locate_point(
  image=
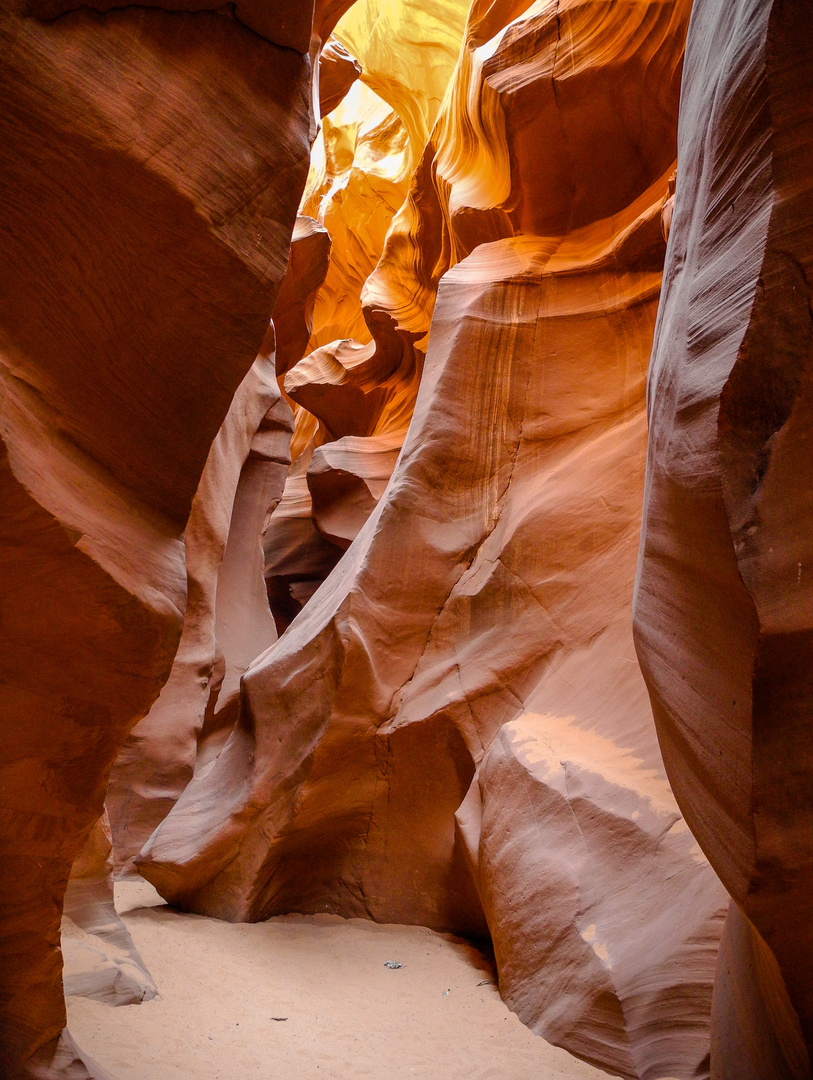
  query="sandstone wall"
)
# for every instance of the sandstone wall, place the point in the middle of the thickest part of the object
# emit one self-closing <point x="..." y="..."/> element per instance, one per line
<point x="146" y="221"/>
<point x="227" y="619"/>
<point x="724" y="602"/>
<point x="348" y="390"/>
<point x="454" y="731"/>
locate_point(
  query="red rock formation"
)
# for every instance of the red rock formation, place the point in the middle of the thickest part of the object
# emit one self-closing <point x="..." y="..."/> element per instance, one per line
<point x="407" y="52"/>
<point x="346" y="479"/>
<point x="296" y="558"/>
<point x="227" y="621"/>
<point x="455" y="730"/>
<point x="724" y="607"/>
<point x="338" y="70"/>
<point x="101" y="961"/>
<point x="472" y="651"/>
<point x="358" y="179"/>
<point x="293" y="312"/>
<point x="151" y="164"/>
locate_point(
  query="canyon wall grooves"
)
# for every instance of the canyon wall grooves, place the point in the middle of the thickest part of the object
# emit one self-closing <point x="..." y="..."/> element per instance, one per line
<point x="471" y="654"/>
<point x="724" y="609"/>
<point x="142" y="250"/>
<point x="322" y="496"/>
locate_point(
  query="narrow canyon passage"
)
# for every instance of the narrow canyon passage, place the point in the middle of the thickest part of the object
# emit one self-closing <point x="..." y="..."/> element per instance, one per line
<point x="406" y="493"/>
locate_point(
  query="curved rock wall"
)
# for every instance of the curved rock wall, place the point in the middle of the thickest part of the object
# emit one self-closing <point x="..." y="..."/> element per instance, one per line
<point x="724" y="603"/>
<point x="100" y="959"/>
<point x="346" y="391"/>
<point x="145" y="234"/>
<point x="455" y="731"/>
<point x="227" y="620"/>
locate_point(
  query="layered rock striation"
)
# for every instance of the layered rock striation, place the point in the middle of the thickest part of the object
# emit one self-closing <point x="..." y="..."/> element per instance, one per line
<point x="455" y="731"/>
<point x="724" y="601"/>
<point x="147" y="215"/>
<point x="428" y="470"/>
<point x="347" y="389"/>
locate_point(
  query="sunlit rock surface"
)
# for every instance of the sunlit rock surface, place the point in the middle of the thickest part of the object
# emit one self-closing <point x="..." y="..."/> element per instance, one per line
<point x="338" y="70"/>
<point x="358" y="180"/>
<point x="152" y="163"/>
<point x="360" y="170"/>
<point x="724" y="605"/>
<point x="455" y="730"/>
<point x="408" y="50"/>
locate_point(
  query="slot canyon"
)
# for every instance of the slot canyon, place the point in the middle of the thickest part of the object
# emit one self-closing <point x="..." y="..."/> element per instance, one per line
<point x="406" y="539"/>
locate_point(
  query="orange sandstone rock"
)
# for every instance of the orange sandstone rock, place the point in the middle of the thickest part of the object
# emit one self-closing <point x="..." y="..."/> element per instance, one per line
<point x="502" y="643"/>
<point x="298" y="557"/>
<point x="293" y="311"/>
<point x="145" y="235"/>
<point x="724" y="600"/>
<point x="454" y="731"/>
<point x="464" y="193"/>
<point x="227" y="620"/>
<point x="346" y="479"/>
<point x="408" y="50"/>
<point x="357" y="180"/>
<point x="346" y="386"/>
<point x="338" y="70"/>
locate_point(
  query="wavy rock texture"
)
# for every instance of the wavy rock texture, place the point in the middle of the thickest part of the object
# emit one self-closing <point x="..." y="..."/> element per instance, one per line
<point x="360" y="167"/>
<point x="338" y="70"/>
<point x="408" y="50"/>
<point x="570" y="164"/>
<point x="296" y="557"/>
<point x="147" y="215"/>
<point x="101" y="961"/>
<point x="227" y="620"/>
<point x="308" y="265"/>
<point x="288" y="25"/>
<point x="357" y="181"/>
<point x="724" y="605"/>
<point x="463" y="192"/>
<point x="455" y="731"/>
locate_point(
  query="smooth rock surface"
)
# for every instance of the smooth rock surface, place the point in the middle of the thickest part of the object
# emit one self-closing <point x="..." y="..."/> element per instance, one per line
<point x="227" y="620"/>
<point x="101" y="961"/>
<point x="346" y="384"/>
<point x="338" y="70"/>
<point x="724" y="599"/>
<point x="454" y="731"/>
<point x="145" y="235"/>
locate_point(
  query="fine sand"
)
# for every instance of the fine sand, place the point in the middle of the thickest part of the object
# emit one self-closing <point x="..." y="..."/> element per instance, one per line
<point x="309" y="998"/>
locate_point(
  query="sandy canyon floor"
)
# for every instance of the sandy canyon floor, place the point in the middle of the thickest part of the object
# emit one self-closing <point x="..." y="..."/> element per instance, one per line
<point x="309" y="998"/>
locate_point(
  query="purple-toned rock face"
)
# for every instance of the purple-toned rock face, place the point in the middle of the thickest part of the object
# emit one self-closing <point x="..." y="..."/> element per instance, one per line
<point x="724" y="600"/>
